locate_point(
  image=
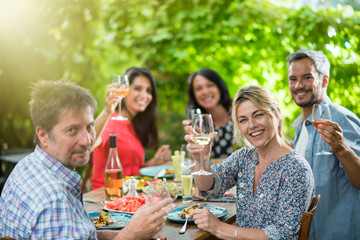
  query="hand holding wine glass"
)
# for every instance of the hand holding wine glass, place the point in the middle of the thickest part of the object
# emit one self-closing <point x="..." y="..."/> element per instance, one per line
<point x="319" y="113"/>
<point x="121" y="90"/>
<point x="202" y="128"/>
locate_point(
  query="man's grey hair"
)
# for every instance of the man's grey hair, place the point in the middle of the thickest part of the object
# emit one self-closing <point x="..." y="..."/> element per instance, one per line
<point x="321" y="62"/>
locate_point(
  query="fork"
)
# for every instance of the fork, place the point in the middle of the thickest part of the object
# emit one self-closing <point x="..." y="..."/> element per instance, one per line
<point x="183" y="229"/>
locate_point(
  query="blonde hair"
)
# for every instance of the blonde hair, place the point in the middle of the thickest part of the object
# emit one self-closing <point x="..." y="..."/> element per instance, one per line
<point x="264" y="100"/>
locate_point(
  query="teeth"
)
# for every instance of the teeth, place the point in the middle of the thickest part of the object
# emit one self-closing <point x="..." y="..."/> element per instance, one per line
<point x="256" y="133"/>
<point x="300" y="94"/>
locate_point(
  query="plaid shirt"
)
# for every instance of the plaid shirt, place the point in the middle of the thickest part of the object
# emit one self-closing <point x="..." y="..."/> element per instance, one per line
<point x="42" y="200"/>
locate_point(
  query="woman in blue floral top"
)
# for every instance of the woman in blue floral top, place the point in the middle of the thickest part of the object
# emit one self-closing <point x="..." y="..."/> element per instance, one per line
<point x="274" y="183"/>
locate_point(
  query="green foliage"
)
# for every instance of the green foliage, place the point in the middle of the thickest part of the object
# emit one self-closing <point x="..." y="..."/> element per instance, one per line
<point x="246" y="41"/>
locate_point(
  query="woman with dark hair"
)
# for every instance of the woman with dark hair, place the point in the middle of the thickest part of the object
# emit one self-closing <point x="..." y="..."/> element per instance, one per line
<point x="134" y="135"/>
<point x="208" y="91"/>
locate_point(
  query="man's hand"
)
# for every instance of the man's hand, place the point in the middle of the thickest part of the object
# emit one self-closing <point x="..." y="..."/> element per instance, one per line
<point x="332" y="134"/>
<point x="147" y="221"/>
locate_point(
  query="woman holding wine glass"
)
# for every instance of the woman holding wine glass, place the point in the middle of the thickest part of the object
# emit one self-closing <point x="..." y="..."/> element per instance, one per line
<point x="134" y="135"/>
<point x="208" y="93"/>
<point x="274" y="183"/>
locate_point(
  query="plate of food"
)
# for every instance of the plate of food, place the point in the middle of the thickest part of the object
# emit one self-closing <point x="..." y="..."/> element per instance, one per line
<point x="110" y="220"/>
<point x="143" y="182"/>
<point x="127" y="205"/>
<point x="155" y="170"/>
<point x="178" y="214"/>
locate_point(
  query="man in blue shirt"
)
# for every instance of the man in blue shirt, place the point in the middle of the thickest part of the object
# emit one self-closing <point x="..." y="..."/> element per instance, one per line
<point x="42" y="198"/>
<point x="337" y="176"/>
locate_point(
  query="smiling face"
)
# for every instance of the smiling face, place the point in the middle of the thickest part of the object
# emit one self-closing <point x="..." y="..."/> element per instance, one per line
<point x="305" y="83"/>
<point x="206" y="92"/>
<point x="255" y="124"/>
<point x="139" y="96"/>
<point x="71" y="138"/>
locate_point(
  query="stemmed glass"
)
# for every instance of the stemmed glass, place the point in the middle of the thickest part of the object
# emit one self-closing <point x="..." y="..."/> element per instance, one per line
<point x="122" y="90"/>
<point x="202" y="127"/>
<point x="323" y="111"/>
<point x="157" y="191"/>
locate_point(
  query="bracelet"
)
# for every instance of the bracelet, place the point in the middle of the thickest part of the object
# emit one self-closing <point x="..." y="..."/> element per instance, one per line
<point x="235" y="232"/>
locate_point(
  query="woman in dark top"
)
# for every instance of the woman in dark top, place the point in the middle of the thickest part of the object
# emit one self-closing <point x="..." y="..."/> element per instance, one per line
<point x="208" y="92"/>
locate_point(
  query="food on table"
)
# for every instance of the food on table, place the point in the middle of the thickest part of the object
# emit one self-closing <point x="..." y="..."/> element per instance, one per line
<point x="143" y="181"/>
<point x="189" y="209"/>
<point x="127" y="204"/>
<point x="169" y="171"/>
<point x="102" y="220"/>
<point x="174" y="190"/>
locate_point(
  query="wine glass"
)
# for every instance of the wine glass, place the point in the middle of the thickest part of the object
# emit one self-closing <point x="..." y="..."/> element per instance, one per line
<point x="319" y="113"/>
<point x="157" y="191"/>
<point x="122" y="90"/>
<point x="202" y="127"/>
<point x="187" y="162"/>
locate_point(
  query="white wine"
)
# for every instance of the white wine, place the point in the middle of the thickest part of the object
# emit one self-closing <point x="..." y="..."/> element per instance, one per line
<point x="202" y="140"/>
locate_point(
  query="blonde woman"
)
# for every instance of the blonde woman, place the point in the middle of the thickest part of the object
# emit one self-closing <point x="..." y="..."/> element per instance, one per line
<point x="274" y="183"/>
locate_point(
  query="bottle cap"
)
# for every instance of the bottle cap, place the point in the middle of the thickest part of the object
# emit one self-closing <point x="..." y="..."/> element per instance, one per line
<point x="113" y="140"/>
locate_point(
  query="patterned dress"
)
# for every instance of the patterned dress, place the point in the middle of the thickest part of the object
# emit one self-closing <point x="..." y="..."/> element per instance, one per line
<point x="283" y="193"/>
<point x="222" y="145"/>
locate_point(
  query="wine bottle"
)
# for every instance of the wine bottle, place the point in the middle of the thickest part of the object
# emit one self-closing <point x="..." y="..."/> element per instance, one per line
<point x="113" y="173"/>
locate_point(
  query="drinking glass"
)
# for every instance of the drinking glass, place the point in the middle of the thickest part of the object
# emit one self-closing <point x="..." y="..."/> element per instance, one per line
<point x="202" y="127"/>
<point x="157" y="191"/>
<point x="319" y="113"/>
<point x="122" y="90"/>
<point x="187" y="162"/>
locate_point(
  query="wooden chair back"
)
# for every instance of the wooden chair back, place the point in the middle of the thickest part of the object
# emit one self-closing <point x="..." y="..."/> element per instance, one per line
<point x="307" y="219"/>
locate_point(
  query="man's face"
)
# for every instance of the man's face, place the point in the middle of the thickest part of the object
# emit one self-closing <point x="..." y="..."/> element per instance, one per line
<point x="71" y="138"/>
<point x="304" y="83"/>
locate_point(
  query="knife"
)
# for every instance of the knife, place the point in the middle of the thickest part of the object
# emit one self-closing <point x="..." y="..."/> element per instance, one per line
<point x="93" y="201"/>
<point x="161" y="173"/>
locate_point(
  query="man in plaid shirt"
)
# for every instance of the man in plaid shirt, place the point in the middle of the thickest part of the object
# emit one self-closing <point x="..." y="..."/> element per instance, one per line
<point x="42" y="197"/>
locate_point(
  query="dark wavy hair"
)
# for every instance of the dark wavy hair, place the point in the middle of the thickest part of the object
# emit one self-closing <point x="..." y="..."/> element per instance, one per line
<point x="214" y="77"/>
<point x="145" y="123"/>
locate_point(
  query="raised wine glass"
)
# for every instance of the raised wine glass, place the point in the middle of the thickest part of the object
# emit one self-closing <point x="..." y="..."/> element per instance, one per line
<point x="157" y="191"/>
<point x="121" y="89"/>
<point x="202" y="127"/>
<point x="320" y="112"/>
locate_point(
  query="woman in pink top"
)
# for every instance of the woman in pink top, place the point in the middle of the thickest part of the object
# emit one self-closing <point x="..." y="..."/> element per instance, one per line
<point x="134" y="135"/>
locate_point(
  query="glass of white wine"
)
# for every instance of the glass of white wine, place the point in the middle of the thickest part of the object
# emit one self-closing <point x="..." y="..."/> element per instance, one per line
<point x="202" y="127"/>
<point x="122" y="90"/>
<point x="319" y="113"/>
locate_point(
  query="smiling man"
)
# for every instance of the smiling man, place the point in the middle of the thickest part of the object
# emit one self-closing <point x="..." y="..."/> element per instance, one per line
<point x="337" y="176"/>
<point x="42" y="198"/>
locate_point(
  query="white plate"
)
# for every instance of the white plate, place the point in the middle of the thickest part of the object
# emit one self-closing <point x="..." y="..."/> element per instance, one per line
<point x="152" y="171"/>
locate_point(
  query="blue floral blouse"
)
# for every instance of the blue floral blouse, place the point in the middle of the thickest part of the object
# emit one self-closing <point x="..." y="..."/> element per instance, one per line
<point x="283" y="193"/>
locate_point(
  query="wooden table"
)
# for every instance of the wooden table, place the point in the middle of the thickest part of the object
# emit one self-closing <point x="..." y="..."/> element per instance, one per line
<point x="171" y="229"/>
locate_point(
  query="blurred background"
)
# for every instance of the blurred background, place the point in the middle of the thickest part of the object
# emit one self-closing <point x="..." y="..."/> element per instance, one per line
<point x="246" y="41"/>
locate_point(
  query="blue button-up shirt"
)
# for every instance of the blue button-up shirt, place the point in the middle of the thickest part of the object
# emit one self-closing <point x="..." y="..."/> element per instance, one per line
<point x="338" y="213"/>
<point x="42" y="200"/>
